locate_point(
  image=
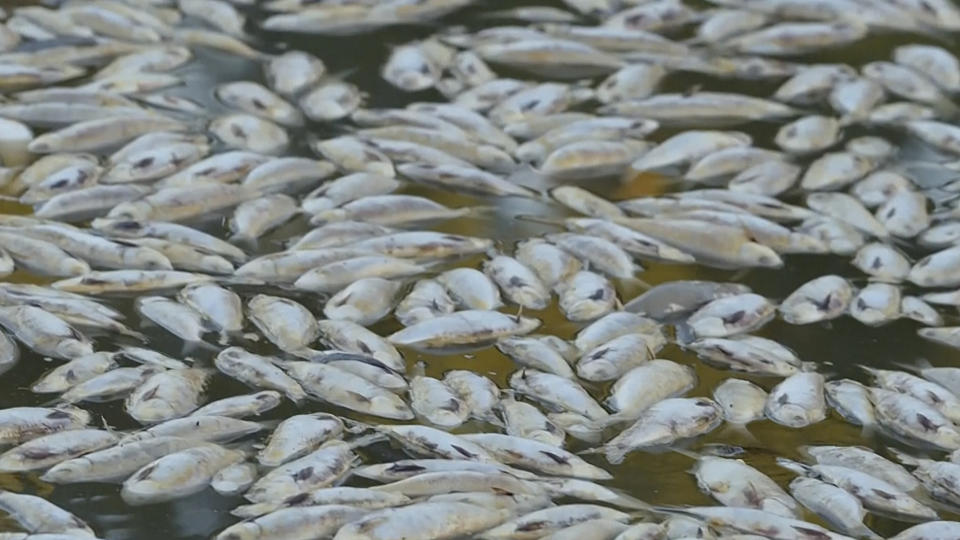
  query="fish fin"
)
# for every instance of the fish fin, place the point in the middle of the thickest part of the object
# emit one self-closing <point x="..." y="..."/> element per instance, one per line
<point x="903" y="457"/>
<point x="543" y="220"/>
<point x="419" y="369"/>
<point x="921" y="364"/>
<point x="743" y="432"/>
<point x="794" y="466"/>
<point x="367" y="440"/>
<point x="356" y="427"/>
<point x="590" y="451"/>
<point x="637" y="283"/>
<point x="684" y="452"/>
<point x="192" y="346"/>
<point x="684" y="334"/>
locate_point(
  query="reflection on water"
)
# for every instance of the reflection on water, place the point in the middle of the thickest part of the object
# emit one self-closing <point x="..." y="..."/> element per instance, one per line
<point x="662" y="478"/>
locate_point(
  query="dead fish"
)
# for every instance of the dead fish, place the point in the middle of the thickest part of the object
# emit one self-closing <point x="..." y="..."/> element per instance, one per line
<point x="586" y="296"/>
<point x="253" y="218"/>
<point x="559" y="392"/>
<point x="905" y="214"/>
<point x="688" y="146"/>
<point x="338" y="274"/>
<point x="882" y="262"/>
<point x="427" y="299"/>
<point x="917" y="309"/>
<point x="937" y="63"/>
<point x="525" y="420"/>
<point x="389" y="210"/>
<point x="258" y="371"/>
<point x="742" y="401"/>
<point x="676" y="298"/>
<point x="735" y="484"/>
<point x="635" y="81"/>
<point x="855" y="99"/>
<point x="251" y="133"/>
<point x="876" y="304"/>
<point x="436" y="402"/>
<point x="835" y="170"/>
<point x="729" y="161"/>
<point x="798" y="401"/>
<point x="874" y="493"/>
<point x="851" y="400"/>
<point x="220" y="306"/>
<point x="719" y="245"/>
<point x="911" y="418"/>
<point x="820" y="299"/>
<point x="331" y="100"/>
<point x="698" y="108"/>
<point x="344" y="389"/>
<point x="76" y="371"/>
<point x="731" y="315"/>
<point x="553" y="519"/>
<point x="551" y="264"/>
<point x="40" y="516"/>
<point x="177" y="475"/>
<point x="614" y="358"/>
<point x="351" y="337"/>
<point x="101" y="133"/>
<point x="293" y="71"/>
<point x="463" y="327"/>
<point x="240" y="406"/>
<point x="47" y="451"/>
<point x="529" y="351"/>
<point x="257" y="100"/>
<point x="167" y="395"/>
<point x="519" y="283"/>
<point x="287" y="522"/>
<point x="535" y="455"/>
<point x="663" y="424"/>
<point x="471" y="289"/>
<point x="468" y="179"/>
<point x="21" y="424"/>
<point x="808" y="134"/>
<point x="364" y="301"/>
<point x="286" y="323"/>
<point x="424" y="519"/>
<point x="936" y="270"/>
<point x="44" y="332"/>
<point x="646" y="385"/>
<point x="194" y="427"/>
<point x="905" y="82"/>
<point x="178" y="319"/>
<point x="866" y="461"/>
<point x="410" y="68"/>
<point x="798" y="38"/>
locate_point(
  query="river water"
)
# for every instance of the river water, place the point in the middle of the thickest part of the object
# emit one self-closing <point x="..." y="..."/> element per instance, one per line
<point x="837" y="347"/>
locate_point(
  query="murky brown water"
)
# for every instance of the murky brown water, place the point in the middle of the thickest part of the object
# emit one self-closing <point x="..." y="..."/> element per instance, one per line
<point x="661" y="478"/>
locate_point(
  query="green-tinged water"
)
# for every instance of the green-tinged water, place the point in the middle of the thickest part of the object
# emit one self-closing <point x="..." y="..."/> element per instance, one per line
<point x="837" y="348"/>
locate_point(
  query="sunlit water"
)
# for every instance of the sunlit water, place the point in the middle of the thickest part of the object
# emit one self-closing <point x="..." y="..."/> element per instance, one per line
<point x="837" y="348"/>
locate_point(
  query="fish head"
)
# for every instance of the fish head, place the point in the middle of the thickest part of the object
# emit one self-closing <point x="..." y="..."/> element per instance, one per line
<point x="760" y="255"/>
<point x="327" y="216"/>
<point x="495" y="158"/>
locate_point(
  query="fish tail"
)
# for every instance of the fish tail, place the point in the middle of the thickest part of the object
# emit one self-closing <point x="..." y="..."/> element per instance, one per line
<point x="743" y="432"/>
<point x="794" y="466"/>
<point x="367" y="440"/>
<point x="543" y="220"/>
<point x="356" y="427"/>
<point x="637" y="283"/>
<point x="920" y="365"/>
<point x="684" y="452"/>
<point x="903" y="457"/>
